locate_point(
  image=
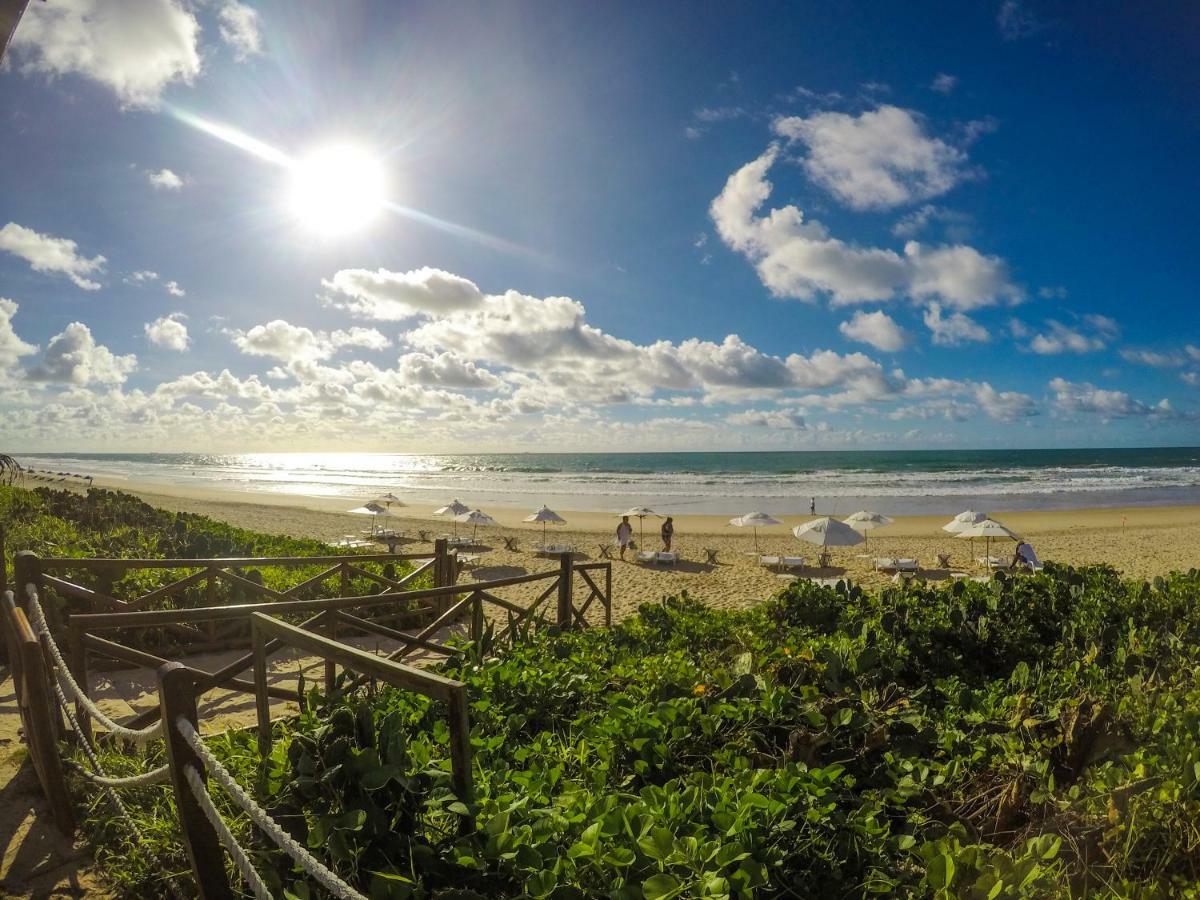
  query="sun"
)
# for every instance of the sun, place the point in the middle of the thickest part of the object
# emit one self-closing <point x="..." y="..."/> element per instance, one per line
<point x="337" y="189"/>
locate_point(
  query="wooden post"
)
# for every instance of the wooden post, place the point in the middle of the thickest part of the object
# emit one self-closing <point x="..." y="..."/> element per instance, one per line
<point x="177" y="697"/>
<point x="40" y="713"/>
<point x="331" y="631"/>
<point x="608" y="596"/>
<point x="77" y="659"/>
<point x="27" y="570"/>
<point x="566" y="570"/>
<point x="460" y="752"/>
<point x="441" y="577"/>
<point x="477" y="616"/>
<point x="262" y="703"/>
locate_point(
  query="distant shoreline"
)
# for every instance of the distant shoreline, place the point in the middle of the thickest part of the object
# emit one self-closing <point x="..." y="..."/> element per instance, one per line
<point x="935" y="483"/>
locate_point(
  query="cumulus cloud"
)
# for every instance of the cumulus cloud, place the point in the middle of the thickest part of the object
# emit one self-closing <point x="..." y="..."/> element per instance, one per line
<point x="239" y="28"/>
<point x="879" y="159"/>
<point x="174" y="289"/>
<point x="799" y="258"/>
<point x="1093" y="332"/>
<point x="956" y="225"/>
<point x="944" y="83"/>
<point x="877" y="329"/>
<point x="12" y="348"/>
<point x="290" y="343"/>
<point x="51" y="254"/>
<point x="391" y="296"/>
<point x="73" y="357"/>
<point x="168" y="332"/>
<point x="135" y="48"/>
<point x="1084" y="397"/>
<point x="769" y="418"/>
<point x="164" y="180"/>
<point x="954" y="329"/>
<point x="445" y="370"/>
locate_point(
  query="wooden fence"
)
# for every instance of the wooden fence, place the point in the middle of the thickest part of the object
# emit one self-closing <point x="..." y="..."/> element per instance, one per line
<point x="321" y="622"/>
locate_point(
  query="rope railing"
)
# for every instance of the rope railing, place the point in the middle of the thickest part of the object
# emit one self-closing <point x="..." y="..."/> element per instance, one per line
<point x="312" y="866"/>
<point x="225" y="836"/>
<point x="42" y="628"/>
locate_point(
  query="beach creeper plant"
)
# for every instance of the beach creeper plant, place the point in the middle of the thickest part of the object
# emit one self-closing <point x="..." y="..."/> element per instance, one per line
<point x="1029" y="737"/>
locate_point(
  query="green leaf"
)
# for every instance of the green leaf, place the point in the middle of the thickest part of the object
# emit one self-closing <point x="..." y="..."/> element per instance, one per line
<point x="940" y="873"/>
<point x="660" y="886"/>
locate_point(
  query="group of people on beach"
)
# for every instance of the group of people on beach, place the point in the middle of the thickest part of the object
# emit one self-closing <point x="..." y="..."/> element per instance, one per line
<point x="625" y="535"/>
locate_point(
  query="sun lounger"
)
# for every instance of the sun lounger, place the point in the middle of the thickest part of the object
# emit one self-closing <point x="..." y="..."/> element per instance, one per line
<point x="664" y="558"/>
<point x="646" y="556"/>
<point x="888" y="564"/>
<point x="553" y="549"/>
<point x="781" y="563"/>
<point x="994" y="562"/>
<point x="349" y="542"/>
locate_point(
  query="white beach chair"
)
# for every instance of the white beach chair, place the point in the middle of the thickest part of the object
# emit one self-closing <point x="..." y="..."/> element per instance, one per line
<point x="769" y="562"/>
<point x="884" y="564"/>
<point x="667" y="558"/>
<point x="646" y="556"/>
<point x="791" y="562"/>
<point x="907" y="565"/>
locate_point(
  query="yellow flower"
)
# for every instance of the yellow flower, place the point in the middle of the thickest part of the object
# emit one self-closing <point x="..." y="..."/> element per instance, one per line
<point x="699" y="690"/>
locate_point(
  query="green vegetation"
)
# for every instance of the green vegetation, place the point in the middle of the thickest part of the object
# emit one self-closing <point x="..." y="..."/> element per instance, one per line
<point x="115" y="525"/>
<point x="1030" y="737"/>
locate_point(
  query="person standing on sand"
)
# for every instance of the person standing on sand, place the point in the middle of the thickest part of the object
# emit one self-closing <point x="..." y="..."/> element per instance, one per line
<point x="624" y="534"/>
<point x="812" y="507"/>
<point x="668" y="532"/>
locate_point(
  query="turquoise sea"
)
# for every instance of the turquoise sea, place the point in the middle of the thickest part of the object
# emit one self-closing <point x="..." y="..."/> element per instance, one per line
<point x="900" y="482"/>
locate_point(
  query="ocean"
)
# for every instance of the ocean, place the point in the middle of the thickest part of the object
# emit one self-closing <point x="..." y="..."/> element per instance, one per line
<point x="782" y="483"/>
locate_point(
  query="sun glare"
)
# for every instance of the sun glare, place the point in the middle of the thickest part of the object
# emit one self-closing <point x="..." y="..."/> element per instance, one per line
<point x="337" y="189"/>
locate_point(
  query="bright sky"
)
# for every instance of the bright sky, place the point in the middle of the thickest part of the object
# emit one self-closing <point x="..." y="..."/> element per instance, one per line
<point x="446" y="226"/>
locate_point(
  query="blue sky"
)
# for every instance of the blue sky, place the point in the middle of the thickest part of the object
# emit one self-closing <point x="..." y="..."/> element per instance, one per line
<point x="687" y="226"/>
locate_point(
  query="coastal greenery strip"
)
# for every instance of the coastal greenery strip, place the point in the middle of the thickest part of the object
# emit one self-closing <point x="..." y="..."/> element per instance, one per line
<point x="1029" y="737"/>
<point x="116" y="525"/>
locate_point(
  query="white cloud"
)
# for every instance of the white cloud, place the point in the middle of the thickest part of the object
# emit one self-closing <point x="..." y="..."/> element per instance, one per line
<point x="12" y="348"/>
<point x="1155" y="359"/>
<point x="168" y="332"/>
<point x="1016" y="22"/>
<point x="880" y="159"/>
<point x="51" y="254"/>
<point x="877" y="329"/>
<point x="392" y="296"/>
<point x="136" y="48"/>
<point x="141" y="277"/>
<point x="1092" y="333"/>
<point x="290" y="343"/>
<point x="164" y="180"/>
<point x="240" y="29"/>
<point x="74" y="357"/>
<point x="957" y="225"/>
<point x="1083" y="397"/>
<point x="944" y="83"/>
<point x="769" y="418"/>
<point x="954" y="329"/>
<point x="800" y="259"/>
<point x="445" y="370"/>
<point x="174" y="289"/>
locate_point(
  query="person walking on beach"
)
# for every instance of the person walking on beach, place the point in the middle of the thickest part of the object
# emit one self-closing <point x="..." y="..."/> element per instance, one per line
<point x="624" y="534"/>
<point x="812" y="507"/>
<point x="668" y="532"/>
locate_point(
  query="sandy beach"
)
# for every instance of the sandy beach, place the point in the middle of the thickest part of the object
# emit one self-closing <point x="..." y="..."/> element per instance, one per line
<point x="1139" y="541"/>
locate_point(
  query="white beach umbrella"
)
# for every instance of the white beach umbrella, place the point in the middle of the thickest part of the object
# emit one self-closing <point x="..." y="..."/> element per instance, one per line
<point x="988" y="528"/>
<point x="755" y="520"/>
<point x="546" y="515"/>
<point x="372" y="509"/>
<point x="475" y="518"/>
<point x="641" y="512"/>
<point x="453" y="509"/>
<point x="389" y="499"/>
<point x="827" y="532"/>
<point x="864" y="521"/>
<point x="964" y="520"/>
